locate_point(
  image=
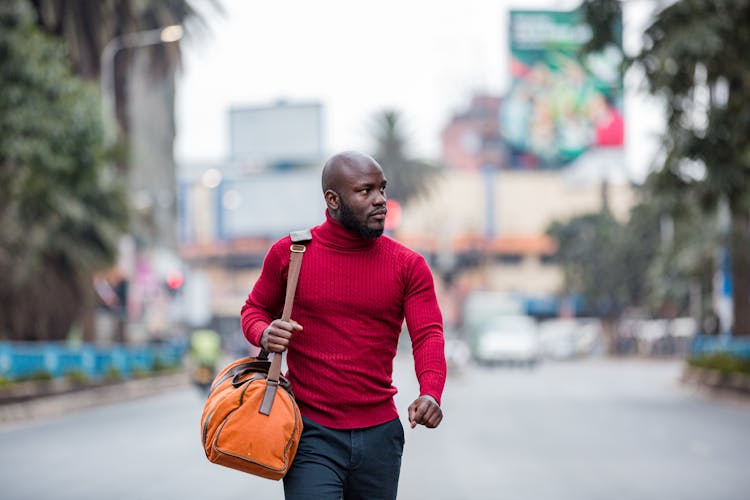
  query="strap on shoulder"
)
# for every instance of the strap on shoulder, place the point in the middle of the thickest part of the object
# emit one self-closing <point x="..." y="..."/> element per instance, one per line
<point x="297" y="250"/>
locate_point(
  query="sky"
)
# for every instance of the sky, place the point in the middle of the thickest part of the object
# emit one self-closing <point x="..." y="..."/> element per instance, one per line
<point x="424" y="58"/>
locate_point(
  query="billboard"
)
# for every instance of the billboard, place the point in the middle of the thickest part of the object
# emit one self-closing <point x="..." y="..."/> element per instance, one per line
<point x="279" y="134"/>
<point x="560" y="104"/>
<point x="252" y="207"/>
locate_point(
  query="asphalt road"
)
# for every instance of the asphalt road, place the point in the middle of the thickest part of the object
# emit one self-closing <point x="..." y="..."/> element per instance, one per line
<point x="594" y="430"/>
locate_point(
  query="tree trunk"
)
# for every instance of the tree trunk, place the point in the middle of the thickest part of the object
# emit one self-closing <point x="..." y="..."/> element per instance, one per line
<point x="740" y="264"/>
<point x="87" y="318"/>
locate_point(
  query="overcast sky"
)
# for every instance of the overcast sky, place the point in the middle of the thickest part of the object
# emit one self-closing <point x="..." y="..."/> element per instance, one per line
<point x="424" y="58"/>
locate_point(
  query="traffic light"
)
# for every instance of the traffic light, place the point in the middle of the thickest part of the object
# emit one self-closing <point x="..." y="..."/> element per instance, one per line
<point x="174" y="282"/>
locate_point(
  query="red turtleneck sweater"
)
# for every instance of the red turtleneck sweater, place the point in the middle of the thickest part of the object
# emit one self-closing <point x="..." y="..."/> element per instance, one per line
<point x="352" y="298"/>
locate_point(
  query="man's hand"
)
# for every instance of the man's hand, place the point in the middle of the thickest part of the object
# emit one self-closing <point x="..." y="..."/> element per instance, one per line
<point x="425" y="411"/>
<point x="276" y="336"/>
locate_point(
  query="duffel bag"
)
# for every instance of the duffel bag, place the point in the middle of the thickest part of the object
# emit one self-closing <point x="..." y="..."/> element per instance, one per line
<point x="250" y="421"/>
<point x="239" y="432"/>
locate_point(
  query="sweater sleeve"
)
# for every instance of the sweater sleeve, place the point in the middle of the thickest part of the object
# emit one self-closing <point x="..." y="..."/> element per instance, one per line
<point x="266" y="299"/>
<point x="425" y="324"/>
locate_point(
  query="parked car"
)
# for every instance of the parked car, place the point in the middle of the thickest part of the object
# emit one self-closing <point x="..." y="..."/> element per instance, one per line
<point x="566" y="338"/>
<point x="457" y="354"/>
<point x="481" y="305"/>
<point x="508" y="338"/>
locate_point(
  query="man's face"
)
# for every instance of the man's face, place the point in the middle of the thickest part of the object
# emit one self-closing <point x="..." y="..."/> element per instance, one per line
<point x="362" y="201"/>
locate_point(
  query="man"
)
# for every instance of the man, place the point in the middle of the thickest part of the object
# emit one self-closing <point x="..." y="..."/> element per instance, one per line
<point x="355" y="289"/>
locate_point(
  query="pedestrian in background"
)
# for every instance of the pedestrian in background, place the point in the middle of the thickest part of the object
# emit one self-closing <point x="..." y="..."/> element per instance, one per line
<point x="204" y="357"/>
<point x="355" y="289"/>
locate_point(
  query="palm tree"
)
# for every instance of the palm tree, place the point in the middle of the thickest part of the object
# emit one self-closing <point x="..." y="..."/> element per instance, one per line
<point x="695" y="57"/>
<point x="61" y="211"/>
<point x="143" y="158"/>
<point x="88" y="26"/>
<point x="408" y="177"/>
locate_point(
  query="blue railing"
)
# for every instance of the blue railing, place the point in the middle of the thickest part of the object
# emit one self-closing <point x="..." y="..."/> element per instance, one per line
<point x="711" y="344"/>
<point x="24" y="359"/>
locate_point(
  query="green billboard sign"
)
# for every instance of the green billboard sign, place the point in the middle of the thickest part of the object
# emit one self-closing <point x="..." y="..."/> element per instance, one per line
<point x="560" y="103"/>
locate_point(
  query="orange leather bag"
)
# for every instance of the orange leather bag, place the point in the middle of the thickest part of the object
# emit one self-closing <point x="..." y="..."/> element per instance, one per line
<point x="250" y="420"/>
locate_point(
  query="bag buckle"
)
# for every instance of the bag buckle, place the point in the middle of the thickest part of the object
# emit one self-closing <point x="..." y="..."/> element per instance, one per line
<point x="296" y="248"/>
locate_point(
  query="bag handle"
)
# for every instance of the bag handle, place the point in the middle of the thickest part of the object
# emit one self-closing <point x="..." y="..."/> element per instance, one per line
<point x="299" y="238"/>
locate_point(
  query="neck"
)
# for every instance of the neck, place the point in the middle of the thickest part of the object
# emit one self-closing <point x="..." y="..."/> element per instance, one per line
<point x="334" y="234"/>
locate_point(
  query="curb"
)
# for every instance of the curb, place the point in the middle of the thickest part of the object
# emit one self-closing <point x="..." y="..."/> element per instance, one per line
<point x="60" y="404"/>
<point x="715" y="380"/>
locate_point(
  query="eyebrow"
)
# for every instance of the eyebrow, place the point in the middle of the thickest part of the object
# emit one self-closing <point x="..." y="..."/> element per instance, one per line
<point x="362" y="185"/>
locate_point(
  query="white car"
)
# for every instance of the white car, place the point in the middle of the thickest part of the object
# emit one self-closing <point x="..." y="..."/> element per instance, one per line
<point x="508" y="339"/>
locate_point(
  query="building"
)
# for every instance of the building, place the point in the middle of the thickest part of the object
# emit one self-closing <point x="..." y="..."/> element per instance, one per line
<point x="231" y="211"/>
<point x="484" y="221"/>
<point x="280" y="135"/>
<point x="471" y="140"/>
<point x="491" y="229"/>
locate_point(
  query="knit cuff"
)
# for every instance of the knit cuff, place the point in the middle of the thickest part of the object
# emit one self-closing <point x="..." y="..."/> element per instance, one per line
<point x="254" y="333"/>
<point x="431" y="384"/>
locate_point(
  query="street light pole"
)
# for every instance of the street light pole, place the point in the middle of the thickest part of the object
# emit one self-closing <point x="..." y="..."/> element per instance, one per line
<point x="107" y="78"/>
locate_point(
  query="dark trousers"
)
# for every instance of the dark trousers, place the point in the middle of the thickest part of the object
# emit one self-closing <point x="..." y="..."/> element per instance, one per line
<point x="352" y="464"/>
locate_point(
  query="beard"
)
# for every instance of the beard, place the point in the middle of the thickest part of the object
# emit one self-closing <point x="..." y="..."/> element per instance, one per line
<point x="350" y="222"/>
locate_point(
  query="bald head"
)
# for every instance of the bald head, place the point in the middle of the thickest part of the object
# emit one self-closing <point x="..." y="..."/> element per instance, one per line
<point x="354" y="189"/>
<point x="339" y="165"/>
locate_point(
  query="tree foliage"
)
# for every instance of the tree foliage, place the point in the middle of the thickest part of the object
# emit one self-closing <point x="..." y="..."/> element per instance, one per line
<point x="88" y="26"/>
<point x="694" y="56"/>
<point x="61" y="212"/>
<point x="654" y="262"/>
<point x="606" y="262"/>
<point x="408" y="177"/>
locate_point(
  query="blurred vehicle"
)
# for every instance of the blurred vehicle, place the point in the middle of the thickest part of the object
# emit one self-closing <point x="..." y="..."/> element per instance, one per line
<point x="665" y="337"/>
<point x="557" y="338"/>
<point x="457" y="353"/>
<point x="507" y="338"/>
<point x="565" y="338"/>
<point x="482" y="305"/>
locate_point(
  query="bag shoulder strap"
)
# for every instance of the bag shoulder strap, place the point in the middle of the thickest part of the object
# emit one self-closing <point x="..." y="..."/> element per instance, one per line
<point x="297" y="249"/>
<point x="299" y="240"/>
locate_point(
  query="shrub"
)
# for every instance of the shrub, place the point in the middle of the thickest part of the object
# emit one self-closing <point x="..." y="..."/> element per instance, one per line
<point x="37" y="376"/>
<point x="77" y="376"/>
<point x="112" y="374"/>
<point x="723" y="362"/>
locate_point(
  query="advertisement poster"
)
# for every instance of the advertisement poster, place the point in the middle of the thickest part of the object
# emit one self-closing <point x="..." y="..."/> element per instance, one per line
<point x="561" y="103"/>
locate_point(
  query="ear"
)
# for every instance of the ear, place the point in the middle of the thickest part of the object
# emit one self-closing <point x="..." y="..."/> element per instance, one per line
<point x="332" y="199"/>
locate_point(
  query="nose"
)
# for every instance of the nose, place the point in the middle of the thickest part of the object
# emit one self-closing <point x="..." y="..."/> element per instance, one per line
<point x="379" y="199"/>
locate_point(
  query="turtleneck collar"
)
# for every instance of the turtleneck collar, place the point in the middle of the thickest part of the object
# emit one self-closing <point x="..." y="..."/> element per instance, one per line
<point x="332" y="233"/>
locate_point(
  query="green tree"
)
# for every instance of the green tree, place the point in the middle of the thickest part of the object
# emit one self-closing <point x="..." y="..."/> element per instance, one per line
<point x="408" y="177"/>
<point x="140" y="83"/>
<point x="660" y="262"/>
<point x="61" y="210"/>
<point x="88" y="26"/>
<point x="606" y="262"/>
<point x="682" y="271"/>
<point x="694" y="56"/>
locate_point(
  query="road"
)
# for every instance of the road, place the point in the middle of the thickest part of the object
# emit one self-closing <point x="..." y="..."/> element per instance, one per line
<point x="595" y="429"/>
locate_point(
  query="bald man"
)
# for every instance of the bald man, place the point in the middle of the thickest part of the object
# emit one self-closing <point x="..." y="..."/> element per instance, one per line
<point x="356" y="288"/>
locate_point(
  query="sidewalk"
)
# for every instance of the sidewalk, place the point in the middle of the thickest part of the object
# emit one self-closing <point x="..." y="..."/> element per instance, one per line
<point x="55" y="404"/>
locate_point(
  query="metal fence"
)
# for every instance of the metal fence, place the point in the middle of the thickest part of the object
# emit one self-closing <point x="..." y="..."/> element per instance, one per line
<point x="711" y="344"/>
<point x="19" y="360"/>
